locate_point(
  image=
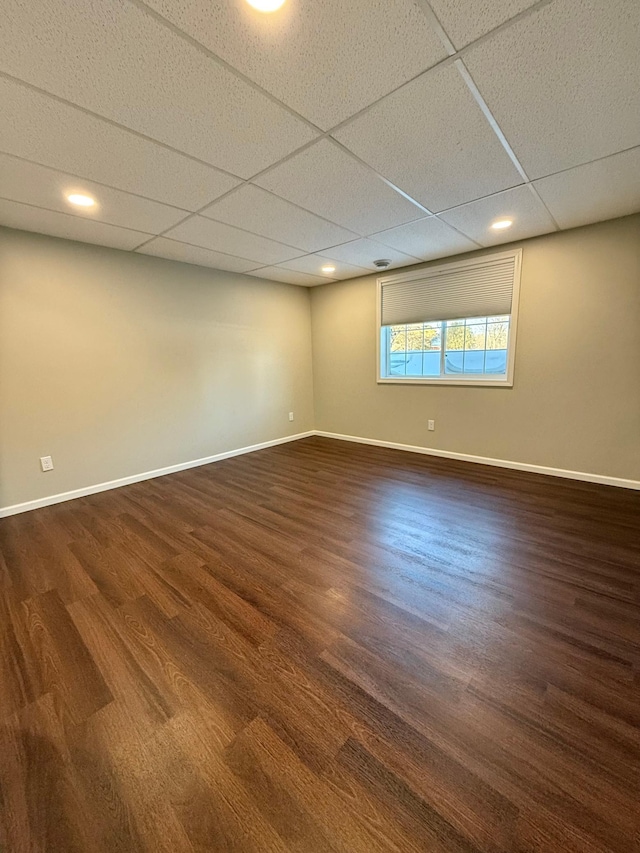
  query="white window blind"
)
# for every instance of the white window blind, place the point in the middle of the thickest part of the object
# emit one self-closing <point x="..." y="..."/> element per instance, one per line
<point x="483" y="288"/>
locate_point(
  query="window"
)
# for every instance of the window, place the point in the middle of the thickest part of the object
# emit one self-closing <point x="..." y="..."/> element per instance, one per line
<point x="454" y="324"/>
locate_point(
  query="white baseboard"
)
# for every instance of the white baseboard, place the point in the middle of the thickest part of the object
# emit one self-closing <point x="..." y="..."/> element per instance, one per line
<point x="207" y="460"/>
<point x="147" y="475"/>
<point x="485" y="460"/>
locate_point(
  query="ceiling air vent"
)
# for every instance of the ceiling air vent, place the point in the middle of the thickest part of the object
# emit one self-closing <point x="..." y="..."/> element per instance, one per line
<point x="382" y="263"/>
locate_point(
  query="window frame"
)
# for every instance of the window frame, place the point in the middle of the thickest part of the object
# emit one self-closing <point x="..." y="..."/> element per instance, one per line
<point x="469" y="380"/>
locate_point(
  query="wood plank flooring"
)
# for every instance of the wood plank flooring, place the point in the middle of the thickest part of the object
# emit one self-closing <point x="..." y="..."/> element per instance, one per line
<point x="323" y="647"/>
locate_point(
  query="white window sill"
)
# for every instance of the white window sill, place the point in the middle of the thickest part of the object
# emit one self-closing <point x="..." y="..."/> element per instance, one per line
<point x="476" y="383"/>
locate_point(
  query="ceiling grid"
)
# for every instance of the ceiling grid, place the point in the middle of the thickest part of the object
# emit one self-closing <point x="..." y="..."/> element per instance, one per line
<point x="362" y="138"/>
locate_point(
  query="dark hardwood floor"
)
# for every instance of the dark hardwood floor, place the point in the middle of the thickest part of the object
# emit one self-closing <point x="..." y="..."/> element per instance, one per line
<point x="323" y="647"/>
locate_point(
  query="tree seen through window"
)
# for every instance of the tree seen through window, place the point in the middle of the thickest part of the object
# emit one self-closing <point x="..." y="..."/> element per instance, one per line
<point x="471" y="346"/>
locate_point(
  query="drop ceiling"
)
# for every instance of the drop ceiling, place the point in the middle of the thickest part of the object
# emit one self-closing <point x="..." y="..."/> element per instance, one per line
<point x="327" y="133"/>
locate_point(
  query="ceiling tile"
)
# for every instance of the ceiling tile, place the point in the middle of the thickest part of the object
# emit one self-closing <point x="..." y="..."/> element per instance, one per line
<point x="327" y="181"/>
<point x="26" y="218"/>
<point x="257" y="210"/>
<point x="431" y="139"/>
<point x="117" y="60"/>
<point x="43" y="187"/>
<point x="306" y="52"/>
<point x="312" y="264"/>
<point x="527" y="212"/>
<point x="426" y="239"/>
<point x="289" y="276"/>
<point x="55" y="134"/>
<point x="466" y="20"/>
<point x="174" y="251"/>
<point x="594" y="192"/>
<point x="200" y="231"/>
<point x="364" y="252"/>
<point x="564" y="82"/>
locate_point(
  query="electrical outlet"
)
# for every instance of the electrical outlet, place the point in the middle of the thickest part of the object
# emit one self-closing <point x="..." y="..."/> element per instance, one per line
<point x="431" y="425"/>
<point x="290" y="416"/>
<point x="46" y="463"/>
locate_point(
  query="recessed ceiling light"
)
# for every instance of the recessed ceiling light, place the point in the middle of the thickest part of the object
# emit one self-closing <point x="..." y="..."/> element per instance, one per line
<point x="502" y="223"/>
<point x="266" y="5"/>
<point x="81" y="200"/>
<point x="328" y="268"/>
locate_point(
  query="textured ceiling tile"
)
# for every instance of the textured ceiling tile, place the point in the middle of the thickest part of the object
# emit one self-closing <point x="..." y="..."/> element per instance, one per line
<point x="327" y="181"/>
<point x="117" y="60"/>
<point x="426" y="239"/>
<point x="364" y="252"/>
<point x="312" y="264"/>
<point x="47" y="131"/>
<point x="43" y="187"/>
<point x="431" y="139"/>
<point x="564" y="82"/>
<point x="200" y="231"/>
<point x="466" y="20"/>
<point x="327" y="60"/>
<point x="594" y="192"/>
<point x="172" y="250"/>
<point x="528" y="214"/>
<point x="26" y="218"/>
<point x="257" y="210"/>
<point x="289" y="276"/>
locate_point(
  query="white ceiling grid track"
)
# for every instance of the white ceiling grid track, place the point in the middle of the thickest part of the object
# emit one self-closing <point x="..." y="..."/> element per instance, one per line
<point x="326" y="134"/>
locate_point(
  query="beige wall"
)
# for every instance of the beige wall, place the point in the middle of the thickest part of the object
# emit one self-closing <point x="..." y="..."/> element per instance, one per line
<point x="116" y="364"/>
<point x="575" y="403"/>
